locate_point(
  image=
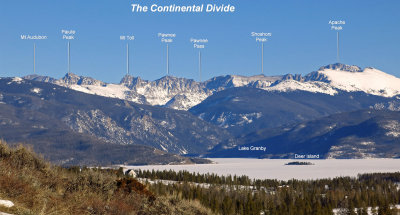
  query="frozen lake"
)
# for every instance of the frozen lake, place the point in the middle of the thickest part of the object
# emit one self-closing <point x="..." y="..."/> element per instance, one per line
<point x="276" y="168"/>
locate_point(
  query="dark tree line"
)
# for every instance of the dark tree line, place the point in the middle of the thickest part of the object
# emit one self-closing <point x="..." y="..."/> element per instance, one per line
<point x="241" y="195"/>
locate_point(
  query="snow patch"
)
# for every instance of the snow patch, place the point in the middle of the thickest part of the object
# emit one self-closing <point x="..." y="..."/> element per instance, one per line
<point x="17" y="80"/>
<point x="393" y="128"/>
<point x="225" y="118"/>
<point x="183" y="151"/>
<point x="236" y="99"/>
<point x="367" y="143"/>
<point x="36" y="90"/>
<point x="201" y="116"/>
<point x="165" y="149"/>
<point x="222" y="119"/>
<point x="248" y="118"/>
<point x="6" y="203"/>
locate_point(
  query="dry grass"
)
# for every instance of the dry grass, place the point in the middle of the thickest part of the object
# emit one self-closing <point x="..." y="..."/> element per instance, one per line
<point x="37" y="187"/>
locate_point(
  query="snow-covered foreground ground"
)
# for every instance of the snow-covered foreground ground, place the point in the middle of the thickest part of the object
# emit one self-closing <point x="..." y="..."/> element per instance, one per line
<point x="276" y="168"/>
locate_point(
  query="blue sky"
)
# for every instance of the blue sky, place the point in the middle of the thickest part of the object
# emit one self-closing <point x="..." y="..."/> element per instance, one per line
<point x="301" y="39"/>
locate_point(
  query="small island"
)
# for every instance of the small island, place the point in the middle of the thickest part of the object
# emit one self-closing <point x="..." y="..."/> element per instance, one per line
<point x="299" y="163"/>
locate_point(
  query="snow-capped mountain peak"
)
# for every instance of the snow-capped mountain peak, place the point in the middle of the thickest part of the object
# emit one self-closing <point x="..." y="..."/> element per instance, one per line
<point x="130" y="81"/>
<point x="73" y="79"/>
<point x="341" y="67"/>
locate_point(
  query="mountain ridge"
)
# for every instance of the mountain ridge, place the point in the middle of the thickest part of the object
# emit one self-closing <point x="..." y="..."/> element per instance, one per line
<point x="243" y="110"/>
<point x="183" y="94"/>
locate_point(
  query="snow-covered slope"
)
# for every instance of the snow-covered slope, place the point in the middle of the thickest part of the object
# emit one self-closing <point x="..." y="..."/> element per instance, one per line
<point x="331" y="78"/>
<point x="369" y="80"/>
<point x="310" y="86"/>
<point x="183" y="94"/>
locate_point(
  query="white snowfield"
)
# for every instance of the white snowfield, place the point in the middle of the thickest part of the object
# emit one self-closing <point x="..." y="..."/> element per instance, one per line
<point x="110" y="90"/>
<point x="183" y="94"/>
<point x="310" y="86"/>
<point x="6" y="203"/>
<point x="17" y="80"/>
<point x="276" y="168"/>
<point x="369" y="80"/>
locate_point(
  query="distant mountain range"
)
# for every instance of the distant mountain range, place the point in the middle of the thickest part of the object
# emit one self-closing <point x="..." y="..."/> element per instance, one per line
<point x="359" y="134"/>
<point x="212" y="118"/>
<point x="183" y="94"/>
<point x="168" y="91"/>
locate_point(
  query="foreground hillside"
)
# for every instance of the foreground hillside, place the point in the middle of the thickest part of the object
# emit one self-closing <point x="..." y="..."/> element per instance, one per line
<point x="37" y="187"/>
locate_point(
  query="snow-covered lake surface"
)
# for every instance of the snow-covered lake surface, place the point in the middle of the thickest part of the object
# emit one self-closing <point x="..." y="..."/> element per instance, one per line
<point x="276" y="168"/>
